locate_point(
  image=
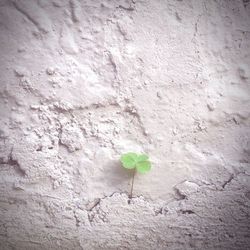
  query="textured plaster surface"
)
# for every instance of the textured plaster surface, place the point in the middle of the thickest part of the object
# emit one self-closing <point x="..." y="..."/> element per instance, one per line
<point x="82" y="82"/>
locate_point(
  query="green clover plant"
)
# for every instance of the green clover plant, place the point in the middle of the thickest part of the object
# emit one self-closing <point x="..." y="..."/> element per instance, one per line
<point x="137" y="162"/>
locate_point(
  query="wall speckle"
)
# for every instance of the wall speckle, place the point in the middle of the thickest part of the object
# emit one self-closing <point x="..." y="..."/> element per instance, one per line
<point x="83" y="82"/>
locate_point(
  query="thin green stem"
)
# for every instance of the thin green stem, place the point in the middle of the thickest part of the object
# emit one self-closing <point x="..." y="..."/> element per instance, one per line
<point x="132" y="186"/>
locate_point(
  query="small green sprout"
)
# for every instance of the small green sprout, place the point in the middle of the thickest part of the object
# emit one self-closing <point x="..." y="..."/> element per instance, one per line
<point x="137" y="162"/>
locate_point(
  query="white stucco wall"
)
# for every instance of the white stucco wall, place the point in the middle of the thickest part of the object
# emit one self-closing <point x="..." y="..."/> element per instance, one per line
<point x="82" y="82"/>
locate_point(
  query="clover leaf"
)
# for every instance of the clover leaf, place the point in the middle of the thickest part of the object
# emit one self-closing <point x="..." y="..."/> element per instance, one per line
<point x="137" y="162"/>
<point x="143" y="166"/>
<point x="129" y="160"/>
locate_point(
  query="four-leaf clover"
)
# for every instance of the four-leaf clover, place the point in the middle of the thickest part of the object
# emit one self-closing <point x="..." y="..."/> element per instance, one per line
<point x="138" y="161"/>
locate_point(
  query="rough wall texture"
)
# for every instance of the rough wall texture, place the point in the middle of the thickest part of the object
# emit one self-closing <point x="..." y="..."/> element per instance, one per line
<point x="84" y="81"/>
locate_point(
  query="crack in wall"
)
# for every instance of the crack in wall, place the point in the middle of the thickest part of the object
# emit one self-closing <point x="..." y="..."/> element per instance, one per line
<point x="228" y="181"/>
<point x="28" y="16"/>
<point x="77" y="221"/>
<point x="14" y="163"/>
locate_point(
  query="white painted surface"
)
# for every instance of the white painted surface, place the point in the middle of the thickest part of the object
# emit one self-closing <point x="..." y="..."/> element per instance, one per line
<point x="83" y="82"/>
